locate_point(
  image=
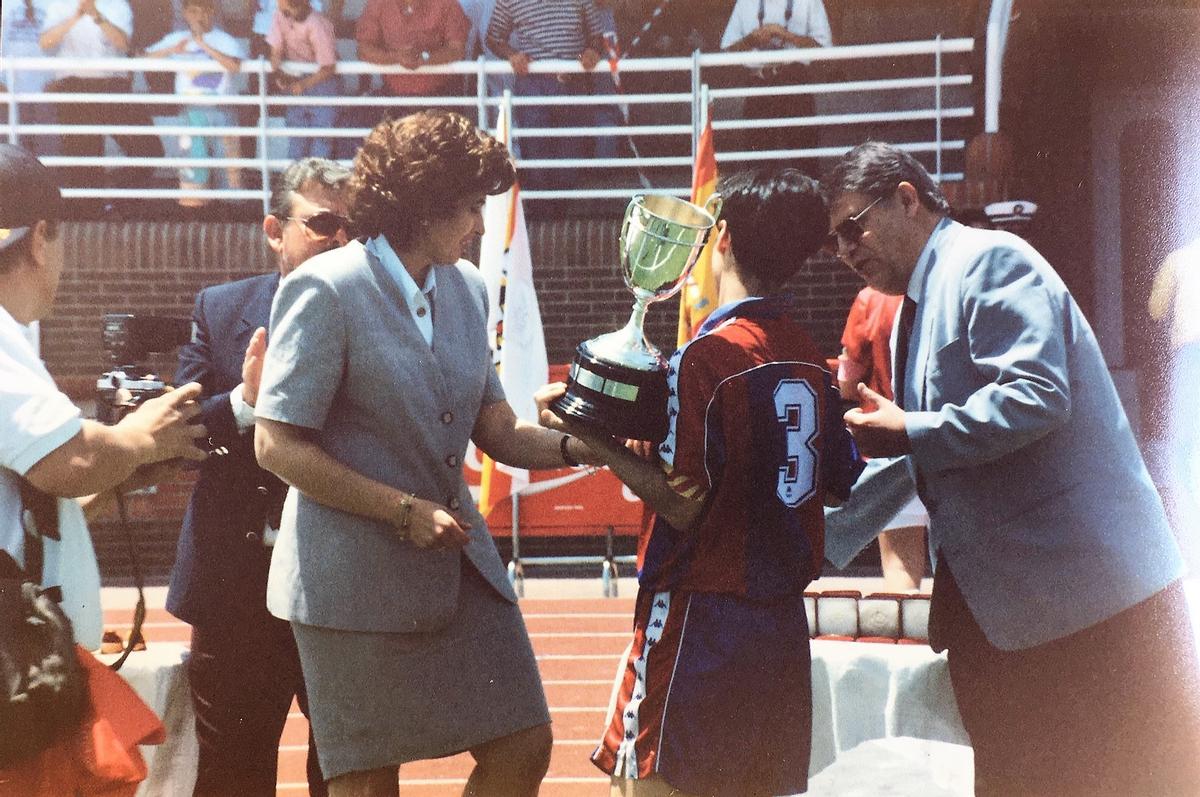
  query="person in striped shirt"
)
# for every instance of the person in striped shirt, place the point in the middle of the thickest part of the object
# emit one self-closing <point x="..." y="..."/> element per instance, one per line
<point x="525" y="31"/>
<point x="714" y="697"/>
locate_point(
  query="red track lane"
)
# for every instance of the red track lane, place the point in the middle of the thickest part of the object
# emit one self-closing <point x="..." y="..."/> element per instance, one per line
<point x="578" y="643"/>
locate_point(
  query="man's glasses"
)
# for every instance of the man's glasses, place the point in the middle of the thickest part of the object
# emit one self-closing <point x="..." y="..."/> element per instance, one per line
<point x="849" y="229"/>
<point x="324" y="224"/>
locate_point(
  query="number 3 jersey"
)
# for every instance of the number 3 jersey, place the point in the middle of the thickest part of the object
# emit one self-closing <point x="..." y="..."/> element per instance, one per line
<point x="756" y="431"/>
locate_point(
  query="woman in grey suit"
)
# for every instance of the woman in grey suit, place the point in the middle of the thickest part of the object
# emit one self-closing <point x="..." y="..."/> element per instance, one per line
<point x="377" y="374"/>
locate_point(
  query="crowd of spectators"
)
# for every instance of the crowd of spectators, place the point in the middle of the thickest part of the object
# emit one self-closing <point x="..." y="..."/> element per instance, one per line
<point x="303" y="40"/>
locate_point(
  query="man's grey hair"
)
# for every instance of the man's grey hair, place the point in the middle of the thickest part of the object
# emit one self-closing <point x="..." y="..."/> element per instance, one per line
<point x="876" y="168"/>
<point x="307" y="171"/>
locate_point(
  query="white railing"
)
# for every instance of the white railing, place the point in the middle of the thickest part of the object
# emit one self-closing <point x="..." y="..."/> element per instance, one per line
<point x="917" y="100"/>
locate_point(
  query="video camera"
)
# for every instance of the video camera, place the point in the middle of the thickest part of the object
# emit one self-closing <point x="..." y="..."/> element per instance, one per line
<point x="128" y="340"/>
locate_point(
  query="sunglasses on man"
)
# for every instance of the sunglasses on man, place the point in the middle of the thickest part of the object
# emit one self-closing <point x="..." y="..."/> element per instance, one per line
<point x="849" y="229"/>
<point x="324" y="224"/>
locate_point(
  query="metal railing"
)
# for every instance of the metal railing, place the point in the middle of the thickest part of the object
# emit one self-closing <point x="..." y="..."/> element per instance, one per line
<point x="902" y="85"/>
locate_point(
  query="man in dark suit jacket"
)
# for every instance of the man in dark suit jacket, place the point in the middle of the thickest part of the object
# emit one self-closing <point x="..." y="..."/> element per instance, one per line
<point x="243" y="669"/>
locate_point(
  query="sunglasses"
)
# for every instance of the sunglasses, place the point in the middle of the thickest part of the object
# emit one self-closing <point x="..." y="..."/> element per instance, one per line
<point x="324" y="224"/>
<point x="849" y="229"/>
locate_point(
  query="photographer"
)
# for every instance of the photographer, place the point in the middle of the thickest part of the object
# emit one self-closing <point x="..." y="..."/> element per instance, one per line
<point x="48" y="454"/>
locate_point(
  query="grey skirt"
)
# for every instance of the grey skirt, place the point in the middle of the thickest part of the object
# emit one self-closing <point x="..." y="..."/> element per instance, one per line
<point x="378" y="700"/>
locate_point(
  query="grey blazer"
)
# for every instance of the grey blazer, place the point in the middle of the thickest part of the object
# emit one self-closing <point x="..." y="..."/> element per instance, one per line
<point x="347" y="360"/>
<point x="1037" y="493"/>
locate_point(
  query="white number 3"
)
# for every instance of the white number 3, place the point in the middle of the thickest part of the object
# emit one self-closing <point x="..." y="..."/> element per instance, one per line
<point x="796" y="409"/>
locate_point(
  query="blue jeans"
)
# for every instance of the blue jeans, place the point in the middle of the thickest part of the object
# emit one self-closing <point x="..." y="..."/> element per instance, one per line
<point x="300" y="117"/>
<point x="527" y="116"/>
<point x="202" y="146"/>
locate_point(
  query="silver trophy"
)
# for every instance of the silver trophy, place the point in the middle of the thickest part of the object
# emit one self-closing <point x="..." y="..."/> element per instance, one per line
<point x="618" y="381"/>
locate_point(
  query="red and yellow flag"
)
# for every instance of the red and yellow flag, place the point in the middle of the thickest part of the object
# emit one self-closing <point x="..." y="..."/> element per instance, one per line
<point x="699" y="295"/>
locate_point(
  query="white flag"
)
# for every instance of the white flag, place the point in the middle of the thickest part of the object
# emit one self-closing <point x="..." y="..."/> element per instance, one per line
<point x="514" y="321"/>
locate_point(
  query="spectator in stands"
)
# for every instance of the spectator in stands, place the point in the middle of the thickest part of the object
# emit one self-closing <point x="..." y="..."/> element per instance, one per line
<point x="96" y="29"/>
<point x="1057" y="585"/>
<point x="244" y="669"/>
<point x="413" y="33"/>
<point x="298" y="33"/>
<point x="755" y="447"/>
<point x="867" y="357"/>
<point x="479" y="12"/>
<point x="549" y="29"/>
<point x="22" y="25"/>
<point x="219" y="56"/>
<point x="49" y="457"/>
<point x="772" y="25"/>
<point x="377" y="375"/>
<point x="264" y="14"/>
<point x="260" y="26"/>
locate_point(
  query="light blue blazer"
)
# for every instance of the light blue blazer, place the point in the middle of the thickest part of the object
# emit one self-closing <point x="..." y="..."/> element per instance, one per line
<point x="347" y="360"/>
<point x="1038" y="497"/>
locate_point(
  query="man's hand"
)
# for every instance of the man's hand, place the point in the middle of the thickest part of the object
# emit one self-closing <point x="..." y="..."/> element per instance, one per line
<point x="87" y="8"/>
<point x="879" y="432"/>
<point x="408" y="58"/>
<point x="431" y="526"/>
<point x="252" y="365"/>
<point x="589" y="58"/>
<point x="163" y="425"/>
<point x="761" y="36"/>
<point x="520" y="63"/>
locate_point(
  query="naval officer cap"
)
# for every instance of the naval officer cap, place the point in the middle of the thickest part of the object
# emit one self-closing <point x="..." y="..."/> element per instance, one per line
<point x="1014" y="211"/>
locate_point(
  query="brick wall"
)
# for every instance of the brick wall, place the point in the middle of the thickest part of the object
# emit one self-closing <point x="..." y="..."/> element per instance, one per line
<point x="157" y="267"/>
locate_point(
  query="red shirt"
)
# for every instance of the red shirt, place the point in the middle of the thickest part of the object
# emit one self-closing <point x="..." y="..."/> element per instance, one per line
<point x="867" y="338"/>
<point x="431" y="26"/>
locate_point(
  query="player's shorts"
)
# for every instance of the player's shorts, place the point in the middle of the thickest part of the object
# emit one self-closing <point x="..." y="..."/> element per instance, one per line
<point x="714" y="696"/>
<point x="911" y="514"/>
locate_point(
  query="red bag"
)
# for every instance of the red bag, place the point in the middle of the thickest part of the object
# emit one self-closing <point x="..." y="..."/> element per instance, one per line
<point x="101" y="759"/>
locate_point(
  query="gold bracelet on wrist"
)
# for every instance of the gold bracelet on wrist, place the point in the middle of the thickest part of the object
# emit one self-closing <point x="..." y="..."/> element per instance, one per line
<point x="406" y="506"/>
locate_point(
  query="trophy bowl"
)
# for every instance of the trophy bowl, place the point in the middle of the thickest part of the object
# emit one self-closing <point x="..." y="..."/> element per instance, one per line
<point x="618" y="381"/>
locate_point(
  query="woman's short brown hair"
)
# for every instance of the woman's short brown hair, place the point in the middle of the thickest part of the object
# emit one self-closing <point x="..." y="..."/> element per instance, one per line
<point x="421" y="167"/>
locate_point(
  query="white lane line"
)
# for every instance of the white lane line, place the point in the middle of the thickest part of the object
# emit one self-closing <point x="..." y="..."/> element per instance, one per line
<point x="450" y="782"/>
<point x="579" y="634"/>
<point x="581" y="616"/>
<point x="580" y="682"/>
<point x="303" y="748"/>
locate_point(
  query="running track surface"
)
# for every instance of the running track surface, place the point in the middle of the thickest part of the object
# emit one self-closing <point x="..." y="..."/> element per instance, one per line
<point x="578" y="643"/>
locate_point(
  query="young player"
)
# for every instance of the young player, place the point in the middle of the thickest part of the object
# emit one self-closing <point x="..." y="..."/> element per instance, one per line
<point x="715" y="695"/>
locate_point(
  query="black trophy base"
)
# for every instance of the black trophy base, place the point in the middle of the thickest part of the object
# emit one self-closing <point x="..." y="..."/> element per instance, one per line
<point x="620" y="400"/>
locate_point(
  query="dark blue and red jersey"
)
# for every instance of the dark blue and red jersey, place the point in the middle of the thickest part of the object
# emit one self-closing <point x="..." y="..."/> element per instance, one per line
<point x="756" y="430"/>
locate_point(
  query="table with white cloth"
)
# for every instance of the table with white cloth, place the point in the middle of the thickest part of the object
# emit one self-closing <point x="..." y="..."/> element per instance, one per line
<point x="865" y="690"/>
<point x="159" y="677"/>
<point x="893" y="704"/>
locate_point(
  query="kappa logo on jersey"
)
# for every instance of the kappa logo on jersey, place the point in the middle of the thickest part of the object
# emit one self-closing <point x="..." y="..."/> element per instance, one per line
<point x="796" y="408"/>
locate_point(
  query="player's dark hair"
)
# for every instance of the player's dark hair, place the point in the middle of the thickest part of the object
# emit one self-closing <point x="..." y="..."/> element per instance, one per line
<point x="876" y="168"/>
<point x="778" y="219"/>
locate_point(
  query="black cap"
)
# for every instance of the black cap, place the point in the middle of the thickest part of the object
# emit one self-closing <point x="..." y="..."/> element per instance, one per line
<point x="28" y="194"/>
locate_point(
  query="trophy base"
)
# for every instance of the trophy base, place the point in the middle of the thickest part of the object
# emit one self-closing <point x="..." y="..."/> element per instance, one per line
<point x="617" y="399"/>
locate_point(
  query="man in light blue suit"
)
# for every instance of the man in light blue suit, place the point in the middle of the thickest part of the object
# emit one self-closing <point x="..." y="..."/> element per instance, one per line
<point x="1057" y="590"/>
